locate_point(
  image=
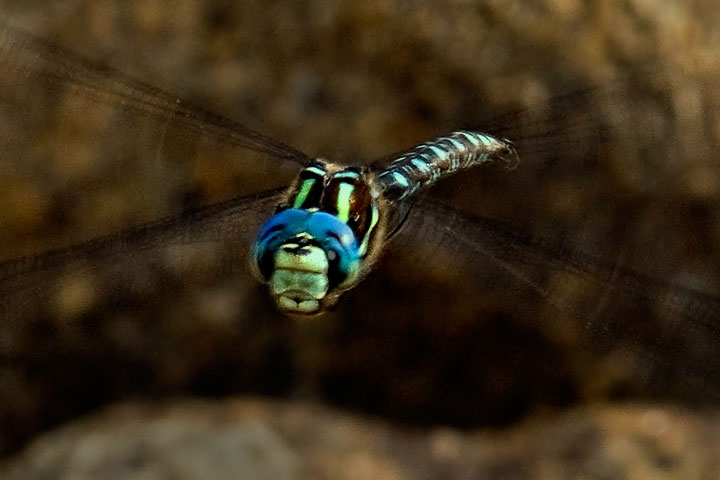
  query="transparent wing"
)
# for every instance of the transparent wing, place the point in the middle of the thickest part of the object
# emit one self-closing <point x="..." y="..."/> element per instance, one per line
<point x="202" y="244"/>
<point x="72" y="310"/>
<point x="671" y="331"/>
<point x="31" y="59"/>
<point x="86" y="151"/>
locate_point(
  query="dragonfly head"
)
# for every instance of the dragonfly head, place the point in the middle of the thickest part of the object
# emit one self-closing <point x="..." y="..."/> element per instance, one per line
<point x="307" y="259"/>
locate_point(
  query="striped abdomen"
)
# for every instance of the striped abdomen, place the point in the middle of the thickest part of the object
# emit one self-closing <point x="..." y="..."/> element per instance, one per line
<point x="428" y="162"/>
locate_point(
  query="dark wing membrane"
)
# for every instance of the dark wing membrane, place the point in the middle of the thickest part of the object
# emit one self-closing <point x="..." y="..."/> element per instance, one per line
<point x="202" y="244"/>
<point x="34" y="59"/>
<point x="668" y="334"/>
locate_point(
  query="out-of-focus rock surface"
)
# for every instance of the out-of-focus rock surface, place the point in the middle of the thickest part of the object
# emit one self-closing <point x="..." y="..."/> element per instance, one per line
<point x="434" y="336"/>
<point x="257" y="439"/>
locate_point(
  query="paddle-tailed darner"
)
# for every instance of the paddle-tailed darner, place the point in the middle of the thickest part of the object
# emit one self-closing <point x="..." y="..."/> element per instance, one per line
<point x="459" y="303"/>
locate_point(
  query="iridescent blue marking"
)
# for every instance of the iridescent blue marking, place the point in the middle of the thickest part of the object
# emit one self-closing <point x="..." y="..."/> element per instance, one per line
<point x="458" y="145"/>
<point x="470" y="138"/>
<point x="451" y="149"/>
<point x="427" y="163"/>
<point x="317" y="170"/>
<point x="434" y="172"/>
<point x="437" y="150"/>
<point x="400" y="179"/>
<point x="421" y="165"/>
<point x="347" y="175"/>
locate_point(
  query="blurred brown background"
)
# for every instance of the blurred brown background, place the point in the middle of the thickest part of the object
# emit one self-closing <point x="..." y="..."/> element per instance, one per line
<point x="438" y="335"/>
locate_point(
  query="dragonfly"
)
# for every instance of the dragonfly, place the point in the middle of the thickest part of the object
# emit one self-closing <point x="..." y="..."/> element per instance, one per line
<point x="330" y="228"/>
<point x="55" y="299"/>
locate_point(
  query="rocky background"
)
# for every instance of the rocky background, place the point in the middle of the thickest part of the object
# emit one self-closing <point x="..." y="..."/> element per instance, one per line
<point x="617" y="129"/>
<point x="252" y="439"/>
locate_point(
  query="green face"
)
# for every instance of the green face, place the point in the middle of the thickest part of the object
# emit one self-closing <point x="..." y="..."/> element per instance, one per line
<point x="300" y="278"/>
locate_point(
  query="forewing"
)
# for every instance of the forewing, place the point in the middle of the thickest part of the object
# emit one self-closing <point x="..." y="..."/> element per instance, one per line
<point x="87" y="151"/>
<point x="196" y="247"/>
<point x="30" y="59"/>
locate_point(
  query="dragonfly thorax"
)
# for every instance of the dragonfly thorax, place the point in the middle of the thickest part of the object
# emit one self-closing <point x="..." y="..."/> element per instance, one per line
<point x="322" y="238"/>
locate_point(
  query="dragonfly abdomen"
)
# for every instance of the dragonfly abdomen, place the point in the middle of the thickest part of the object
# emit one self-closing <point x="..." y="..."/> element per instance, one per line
<point x="431" y="161"/>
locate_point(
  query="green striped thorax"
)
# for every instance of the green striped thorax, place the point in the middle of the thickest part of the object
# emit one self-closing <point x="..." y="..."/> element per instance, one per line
<point x="322" y="238"/>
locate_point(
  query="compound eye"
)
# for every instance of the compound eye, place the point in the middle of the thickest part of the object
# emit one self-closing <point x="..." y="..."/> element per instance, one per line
<point x="266" y="233"/>
<point x="274" y="233"/>
<point x="341" y="274"/>
<point x="345" y="239"/>
<point x="335" y="236"/>
<point x="352" y="276"/>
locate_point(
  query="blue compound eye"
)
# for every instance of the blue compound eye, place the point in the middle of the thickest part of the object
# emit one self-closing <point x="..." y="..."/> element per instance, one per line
<point x="331" y="234"/>
<point x="264" y="234"/>
<point x="274" y="233"/>
<point x="336" y="274"/>
<point x="292" y="230"/>
<point x="264" y="261"/>
<point x="341" y="248"/>
<point x="342" y="258"/>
